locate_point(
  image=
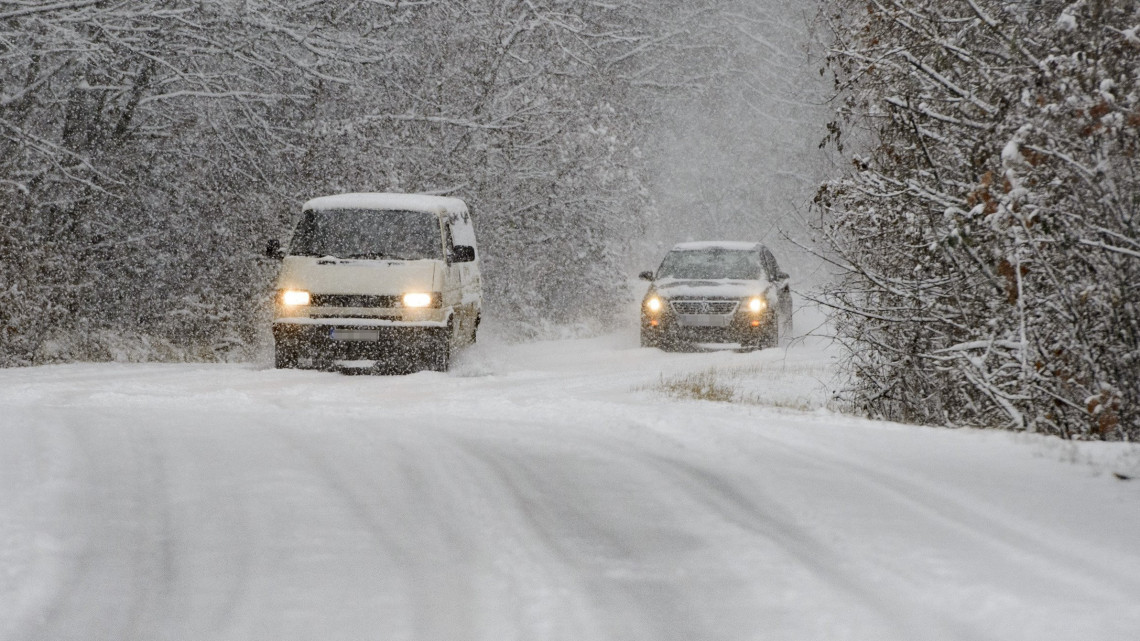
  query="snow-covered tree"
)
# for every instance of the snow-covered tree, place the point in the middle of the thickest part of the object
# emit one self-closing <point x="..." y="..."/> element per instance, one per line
<point x="148" y="150"/>
<point x="736" y="155"/>
<point x="986" y="227"/>
<point x="131" y="133"/>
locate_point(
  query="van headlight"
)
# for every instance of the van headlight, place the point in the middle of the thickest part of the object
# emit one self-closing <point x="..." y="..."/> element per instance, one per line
<point x="653" y="304"/>
<point x="418" y="299"/>
<point x="757" y="304"/>
<point x="295" y="297"/>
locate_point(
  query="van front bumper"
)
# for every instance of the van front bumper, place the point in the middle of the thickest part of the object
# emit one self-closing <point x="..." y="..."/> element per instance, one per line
<point x="320" y="342"/>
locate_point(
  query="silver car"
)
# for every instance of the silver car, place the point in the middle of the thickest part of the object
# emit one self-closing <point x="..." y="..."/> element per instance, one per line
<point x="716" y="292"/>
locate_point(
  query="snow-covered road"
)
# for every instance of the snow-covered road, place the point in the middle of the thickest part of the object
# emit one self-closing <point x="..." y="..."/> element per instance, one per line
<point x="550" y="491"/>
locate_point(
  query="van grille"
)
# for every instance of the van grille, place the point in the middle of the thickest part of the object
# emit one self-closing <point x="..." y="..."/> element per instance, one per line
<point x="688" y="307"/>
<point x="353" y="300"/>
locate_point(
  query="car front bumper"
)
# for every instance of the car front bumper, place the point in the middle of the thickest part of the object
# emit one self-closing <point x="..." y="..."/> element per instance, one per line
<point x="672" y="329"/>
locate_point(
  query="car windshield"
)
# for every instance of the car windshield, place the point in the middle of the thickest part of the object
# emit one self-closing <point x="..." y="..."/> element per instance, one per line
<point x="711" y="264"/>
<point x="368" y="233"/>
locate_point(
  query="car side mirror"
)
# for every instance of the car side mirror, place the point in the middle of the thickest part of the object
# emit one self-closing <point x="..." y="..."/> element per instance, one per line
<point x="273" y="250"/>
<point x="462" y="254"/>
<point x="646" y="276"/>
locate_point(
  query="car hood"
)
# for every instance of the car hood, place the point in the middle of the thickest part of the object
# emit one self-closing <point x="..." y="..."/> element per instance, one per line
<point x="356" y="276"/>
<point x="718" y="288"/>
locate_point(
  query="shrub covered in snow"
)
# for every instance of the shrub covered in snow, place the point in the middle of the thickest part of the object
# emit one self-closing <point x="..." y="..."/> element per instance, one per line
<point x="986" y="226"/>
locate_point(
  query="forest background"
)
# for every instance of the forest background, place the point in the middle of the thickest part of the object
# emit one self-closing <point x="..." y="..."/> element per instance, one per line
<point x="149" y="150"/>
<point x="978" y="170"/>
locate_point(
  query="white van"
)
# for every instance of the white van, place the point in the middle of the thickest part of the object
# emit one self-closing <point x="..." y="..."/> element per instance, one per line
<point x="377" y="277"/>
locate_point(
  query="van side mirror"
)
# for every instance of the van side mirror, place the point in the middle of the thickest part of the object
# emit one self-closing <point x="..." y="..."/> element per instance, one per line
<point x="646" y="276"/>
<point x="273" y="250"/>
<point x="462" y="254"/>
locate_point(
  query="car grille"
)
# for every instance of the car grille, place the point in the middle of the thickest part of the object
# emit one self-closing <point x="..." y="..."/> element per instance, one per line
<point x="688" y="307"/>
<point x="353" y="300"/>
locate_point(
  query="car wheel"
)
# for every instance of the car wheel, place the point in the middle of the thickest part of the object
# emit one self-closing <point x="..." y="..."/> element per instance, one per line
<point x="786" y="315"/>
<point x="771" y="335"/>
<point x="649" y="339"/>
<point x="768" y="337"/>
<point x="671" y="344"/>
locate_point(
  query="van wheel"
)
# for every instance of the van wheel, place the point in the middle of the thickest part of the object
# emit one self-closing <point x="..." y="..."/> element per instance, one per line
<point x="285" y="356"/>
<point x="439" y="354"/>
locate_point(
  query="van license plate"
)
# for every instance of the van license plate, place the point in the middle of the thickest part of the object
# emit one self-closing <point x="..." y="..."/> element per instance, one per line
<point x="338" y="334"/>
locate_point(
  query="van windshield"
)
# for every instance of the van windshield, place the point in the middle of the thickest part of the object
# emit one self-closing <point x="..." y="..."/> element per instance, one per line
<point x="711" y="264"/>
<point x="368" y="233"/>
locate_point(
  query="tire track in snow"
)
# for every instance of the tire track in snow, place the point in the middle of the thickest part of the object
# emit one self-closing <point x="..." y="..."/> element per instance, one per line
<point x="598" y="558"/>
<point x="953" y="510"/>
<point x="990" y="576"/>
<point x="581" y="528"/>
<point x="697" y="490"/>
<point x="759" y="513"/>
<point x="447" y="562"/>
<point x="533" y="505"/>
<point x="412" y="555"/>
<point x="126" y="534"/>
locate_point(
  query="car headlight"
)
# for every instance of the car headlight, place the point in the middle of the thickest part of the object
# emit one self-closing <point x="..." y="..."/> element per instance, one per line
<point x="295" y="297"/>
<point x="757" y="304"/>
<point x="417" y="299"/>
<point x="653" y="304"/>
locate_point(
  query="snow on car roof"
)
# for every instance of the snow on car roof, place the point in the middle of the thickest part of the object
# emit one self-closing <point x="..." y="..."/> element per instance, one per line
<point x="402" y="202"/>
<point x="733" y="245"/>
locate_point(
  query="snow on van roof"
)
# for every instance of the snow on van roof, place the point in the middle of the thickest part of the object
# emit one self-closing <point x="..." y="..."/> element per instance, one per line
<point x="733" y="245"/>
<point x="402" y="202"/>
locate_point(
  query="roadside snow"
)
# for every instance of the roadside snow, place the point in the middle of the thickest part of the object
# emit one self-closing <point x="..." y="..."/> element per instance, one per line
<point x="541" y="491"/>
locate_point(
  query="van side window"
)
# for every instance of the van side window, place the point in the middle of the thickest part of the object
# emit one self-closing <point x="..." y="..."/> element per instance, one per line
<point x="448" y="242"/>
<point x="462" y="230"/>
